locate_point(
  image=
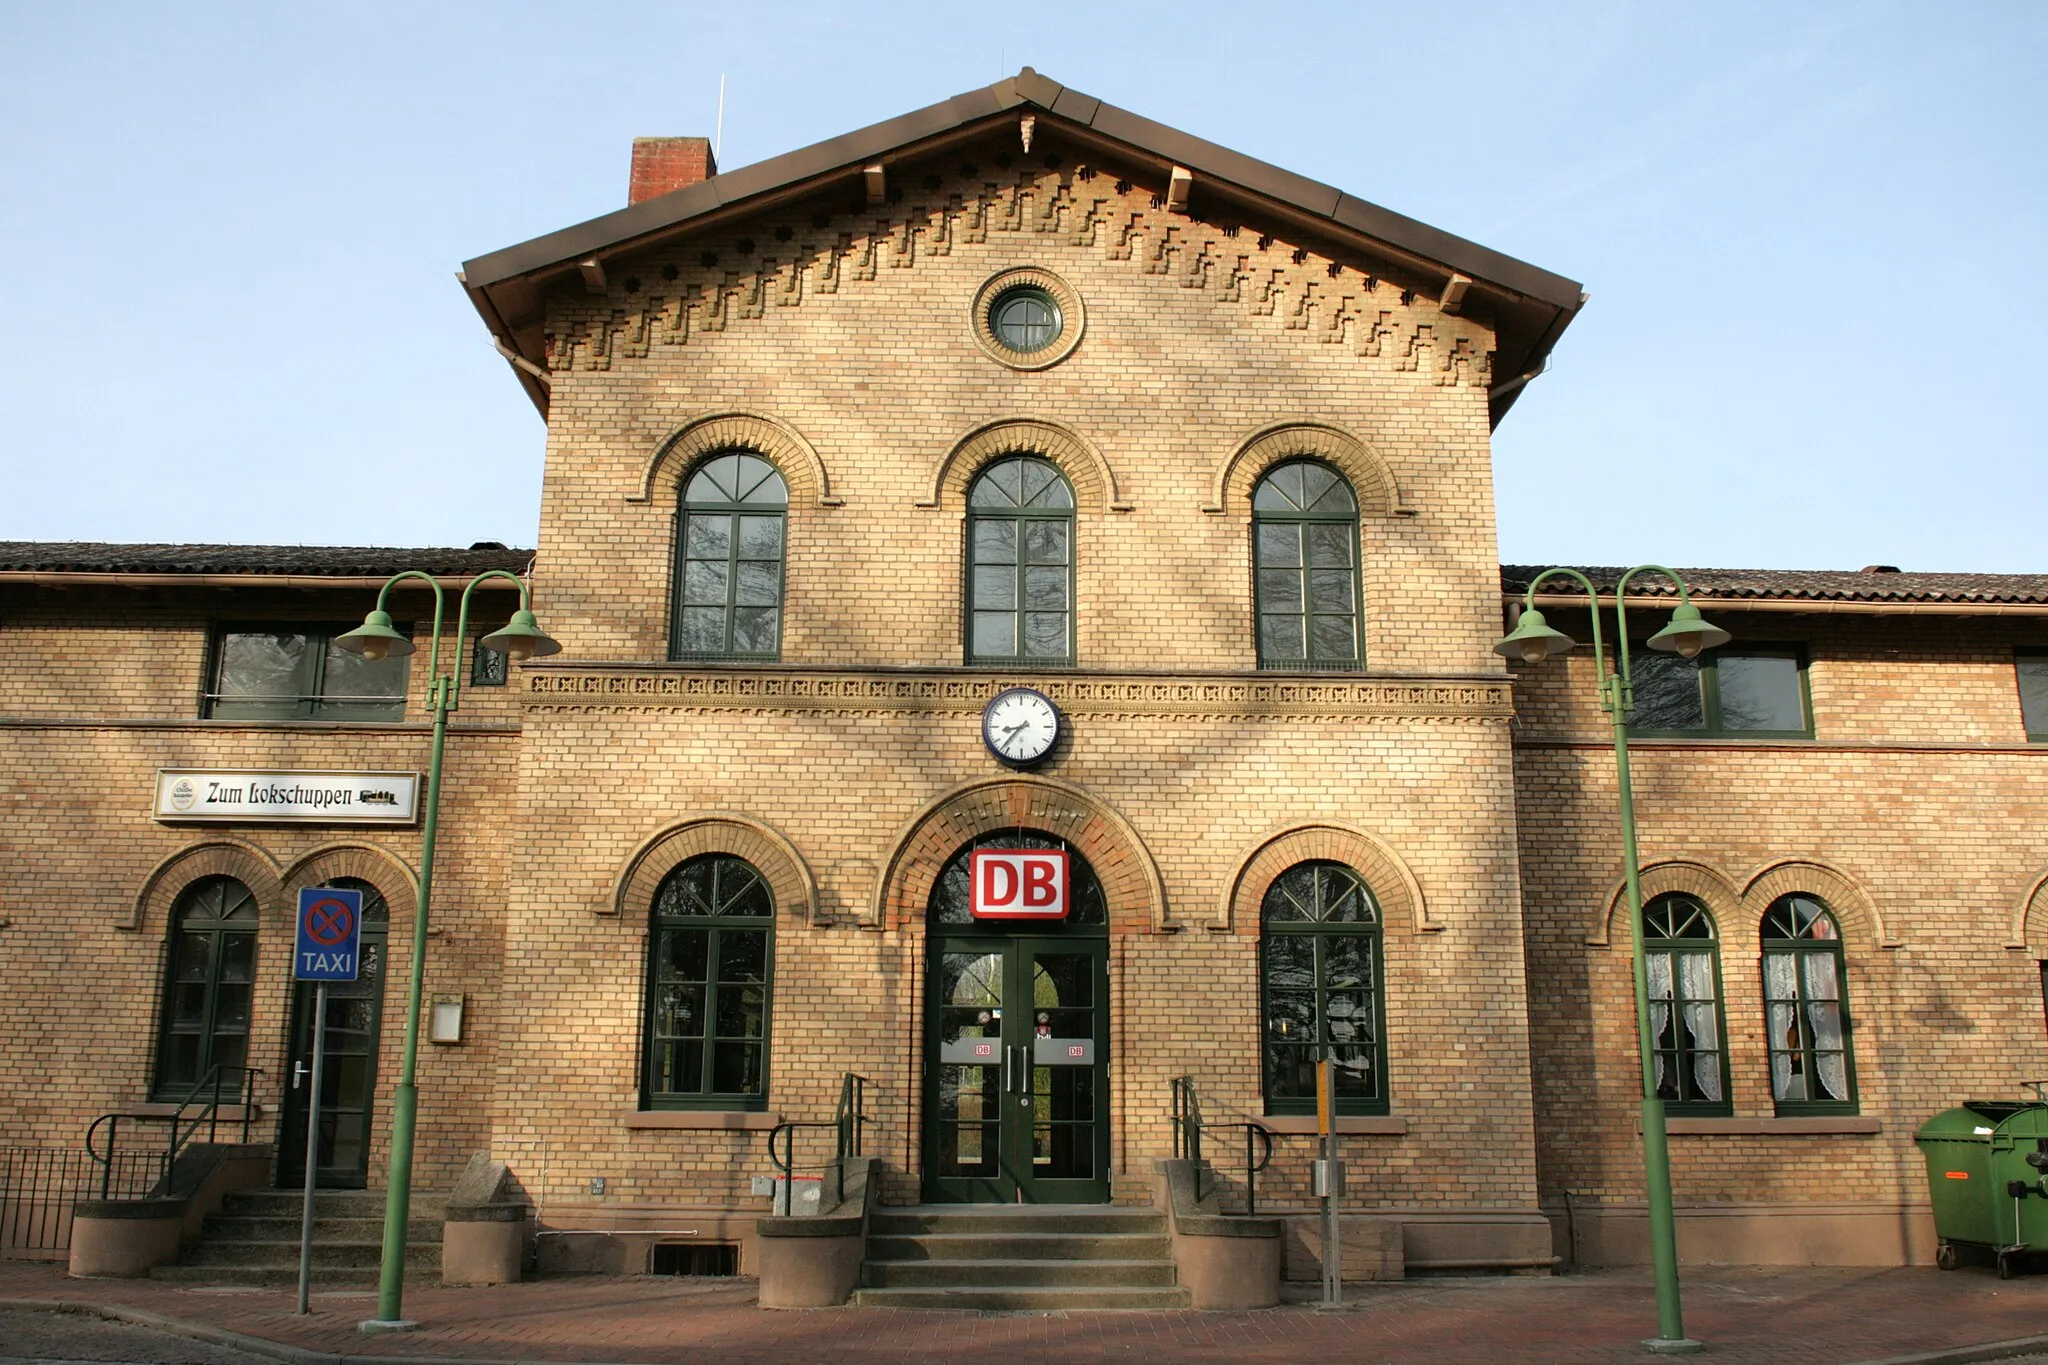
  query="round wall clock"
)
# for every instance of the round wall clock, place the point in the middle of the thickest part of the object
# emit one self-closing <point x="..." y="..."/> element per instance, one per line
<point x="1020" y="725"/>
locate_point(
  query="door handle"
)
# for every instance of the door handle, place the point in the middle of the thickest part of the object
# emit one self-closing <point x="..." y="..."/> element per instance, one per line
<point x="1009" y="1055"/>
<point x="298" y="1073"/>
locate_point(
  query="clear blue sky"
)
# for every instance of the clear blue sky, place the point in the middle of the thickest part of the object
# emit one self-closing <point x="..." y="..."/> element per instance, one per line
<point x="1813" y="234"/>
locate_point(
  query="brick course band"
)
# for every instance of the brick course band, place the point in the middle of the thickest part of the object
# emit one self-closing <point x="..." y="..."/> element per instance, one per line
<point x="768" y="849"/>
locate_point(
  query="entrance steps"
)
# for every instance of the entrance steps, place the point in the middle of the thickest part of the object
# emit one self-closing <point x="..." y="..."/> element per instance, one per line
<point x="1018" y="1258"/>
<point x="254" y="1240"/>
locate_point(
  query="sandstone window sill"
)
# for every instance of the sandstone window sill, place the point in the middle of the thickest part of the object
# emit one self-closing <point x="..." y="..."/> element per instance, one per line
<point x="1383" y="1125"/>
<point x="731" y="1120"/>
<point x="1769" y="1127"/>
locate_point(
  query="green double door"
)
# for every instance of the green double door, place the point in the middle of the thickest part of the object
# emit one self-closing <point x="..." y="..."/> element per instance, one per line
<point x="348" y="1078"/>
<point x="1016" y="1069"/>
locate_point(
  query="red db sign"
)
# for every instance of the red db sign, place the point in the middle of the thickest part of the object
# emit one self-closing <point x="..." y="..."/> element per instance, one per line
<point x="1017" y="883"/>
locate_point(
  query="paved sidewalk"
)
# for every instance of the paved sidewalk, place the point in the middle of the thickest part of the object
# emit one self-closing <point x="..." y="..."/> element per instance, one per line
<point x="1782" y="1316"/>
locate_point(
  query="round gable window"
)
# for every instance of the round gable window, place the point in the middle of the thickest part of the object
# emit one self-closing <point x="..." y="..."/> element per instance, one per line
<point x="1027" y="318"/>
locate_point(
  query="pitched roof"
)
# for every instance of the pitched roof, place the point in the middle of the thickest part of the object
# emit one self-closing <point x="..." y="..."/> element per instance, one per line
<point x="300" y="561"/>
<point x="1531" y="306"/>
<point x="1815" y="585"/>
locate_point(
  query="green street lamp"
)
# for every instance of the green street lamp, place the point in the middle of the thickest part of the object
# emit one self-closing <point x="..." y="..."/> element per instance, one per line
<point x="1532" y="641"/>
<point x="376" y="639"/>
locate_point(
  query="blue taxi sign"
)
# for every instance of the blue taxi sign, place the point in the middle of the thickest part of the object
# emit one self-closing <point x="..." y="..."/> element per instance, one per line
<point x="330" y="934"/>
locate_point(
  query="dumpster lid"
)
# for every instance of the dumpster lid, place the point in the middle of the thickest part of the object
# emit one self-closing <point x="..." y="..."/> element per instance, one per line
<point x="1998" y="1111"/>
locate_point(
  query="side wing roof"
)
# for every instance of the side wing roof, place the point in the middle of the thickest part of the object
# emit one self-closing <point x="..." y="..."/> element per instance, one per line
<point x="1530" y="306"/>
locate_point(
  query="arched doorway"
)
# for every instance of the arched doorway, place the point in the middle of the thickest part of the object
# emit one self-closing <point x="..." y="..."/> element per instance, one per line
<point x="1016" y="1041"/>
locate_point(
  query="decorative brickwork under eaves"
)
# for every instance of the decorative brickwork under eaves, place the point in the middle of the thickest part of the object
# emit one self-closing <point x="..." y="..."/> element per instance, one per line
<point x="796" y="259"/>
<point x="1817" y="585"/>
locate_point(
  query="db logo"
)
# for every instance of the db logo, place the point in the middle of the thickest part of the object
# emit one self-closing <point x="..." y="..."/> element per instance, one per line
<point x="983" y="1049"/>
<point x="1019" y="883"/>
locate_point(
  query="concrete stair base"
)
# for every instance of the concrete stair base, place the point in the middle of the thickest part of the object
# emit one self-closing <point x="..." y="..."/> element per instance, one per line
<point x="1019" y="1259"/>
<point x="254" y="1241"/>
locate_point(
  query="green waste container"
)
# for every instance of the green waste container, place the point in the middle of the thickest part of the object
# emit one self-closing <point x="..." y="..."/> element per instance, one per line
<point x="1987" y="1174"/>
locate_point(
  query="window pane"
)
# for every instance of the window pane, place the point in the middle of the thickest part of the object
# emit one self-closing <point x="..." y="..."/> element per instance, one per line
<point x="1667" y="692"/>
<point x="1279" y="546"/>
<point x="1329" y="545"/>
<point x="1290" y="1016"/>
<point x="704" y="581"/>
<point x="709" y="536"/>
<point x="1330" y="590"/>
<point x="1759" y="692"/>
<point x="685" y="954"/>
<point x="760" y="537"/>
<point x="1045" y="542"/>
<point x="743" y="955"/>
<point x="368" y="690"/>
<point x="1334" y="640"/>
<point x="1279" y="590"/>
<point x="995" y="634"/>
<point x="995" y="542"/>
<point x="702" y="630"/>
<point x="754" y="630"/>
<point x="742" y="1011"/>
<point x="1347" y="961"/>
<point x="736" y="1068"/>
<point x="1045" y="589"/>
<point x="2033" y="671"/>
<point x="1280" y="637"/>
<point x="1045" y="634"/>
<point x="264" y="675"/>
<point x="995" y="588"/>
<point x="1290" y="961"/>
<point x="760" y="584"/>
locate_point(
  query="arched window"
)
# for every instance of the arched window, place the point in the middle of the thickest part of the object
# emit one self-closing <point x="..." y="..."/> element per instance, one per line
<point x="1813" y="1069"/>
<point x="1020" y="572"/>
<point x="710" y="967"/>
<point x="729" y="554"/>
<point x="1682" y="960"/>
<point x="1320" y="981"/>
<point x="208" y="980"/>
<point x="1305" y="545"/>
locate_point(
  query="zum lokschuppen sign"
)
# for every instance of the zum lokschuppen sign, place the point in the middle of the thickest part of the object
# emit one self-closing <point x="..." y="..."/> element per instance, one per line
<point x="262" y="794"/>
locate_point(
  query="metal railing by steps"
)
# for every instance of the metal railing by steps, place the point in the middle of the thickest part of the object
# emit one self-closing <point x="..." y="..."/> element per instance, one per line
<point x="1188" y="1127"/>
<point x="849" y="1128"/>
<point x="183" y="1123"/>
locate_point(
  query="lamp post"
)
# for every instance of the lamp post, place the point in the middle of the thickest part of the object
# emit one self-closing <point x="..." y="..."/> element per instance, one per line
<point x="1532" y="641"/>
<point x="375" y="640"/>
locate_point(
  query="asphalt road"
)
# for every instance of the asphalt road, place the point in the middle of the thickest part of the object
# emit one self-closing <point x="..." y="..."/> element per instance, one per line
<point x="48" y="1337"/>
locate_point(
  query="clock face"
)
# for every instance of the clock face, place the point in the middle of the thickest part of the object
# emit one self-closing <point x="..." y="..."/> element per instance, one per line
<point x="1020" y="726"/>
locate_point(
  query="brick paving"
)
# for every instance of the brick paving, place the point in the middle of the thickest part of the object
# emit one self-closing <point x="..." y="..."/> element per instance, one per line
<point x="1777" y="1315"/>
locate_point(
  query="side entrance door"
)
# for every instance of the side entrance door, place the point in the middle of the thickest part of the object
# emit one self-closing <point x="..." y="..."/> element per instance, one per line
<point x="1016" y="1069"/>
<point x="355" y="1012"/>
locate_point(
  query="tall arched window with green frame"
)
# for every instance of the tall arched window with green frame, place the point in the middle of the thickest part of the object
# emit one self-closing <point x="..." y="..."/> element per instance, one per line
<point x="710" y="969"/>
<point x="1320" y="987"/>
<point x="1682" y="961"/>
<point x="1305" y="552"/>
<point x="209" y="977"/>
<point x="730" y="547"/>
<point x="1020" y="564"/>
<point x="1806" y="1009"/>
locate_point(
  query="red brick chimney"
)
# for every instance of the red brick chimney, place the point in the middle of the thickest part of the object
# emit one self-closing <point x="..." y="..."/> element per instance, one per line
<point x="662" y="164"/>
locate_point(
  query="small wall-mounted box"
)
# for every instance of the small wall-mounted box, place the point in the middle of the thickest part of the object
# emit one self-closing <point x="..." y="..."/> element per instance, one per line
<point x="444" y="1022"/>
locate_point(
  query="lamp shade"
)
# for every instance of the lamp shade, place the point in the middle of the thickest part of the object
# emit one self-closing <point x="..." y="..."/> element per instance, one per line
<point x="1532" y="640"/>
<point x="375" y="639"/>
<point x="522" y="638"/>
<point x="1688" y="634"/>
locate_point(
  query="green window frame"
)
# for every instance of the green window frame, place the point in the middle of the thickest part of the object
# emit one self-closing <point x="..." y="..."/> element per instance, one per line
<point x="292" y="670"/>
<point x="1689" y="1030"/>
<point x="732" y="546"/>
<point x="710" y="983"/>
<point x="1020" y="564"/>
<point x="2030" y="669"/>
<point x="1806" y="1009"/>
<point x="1308" y="591"/>
<point x="209" y="981"/>
<point x="1026" y="319"/>
<point x="1322" y="987"/>
<point x="1735" y="692"/>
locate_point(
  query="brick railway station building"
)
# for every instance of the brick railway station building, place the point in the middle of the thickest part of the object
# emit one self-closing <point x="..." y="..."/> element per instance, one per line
<point x="1023" y="391"/>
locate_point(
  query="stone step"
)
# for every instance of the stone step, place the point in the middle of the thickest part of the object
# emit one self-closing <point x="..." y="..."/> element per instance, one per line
<point x="326" y="1204"/>
<point x="1093" y="1218"/>
<point x="1024" y="1274"/>
<point x="995" y="1300"/>
<point x="1020" y="1246"/>
<point x="269" y="1229"/>
<point x="336" y="1255"/>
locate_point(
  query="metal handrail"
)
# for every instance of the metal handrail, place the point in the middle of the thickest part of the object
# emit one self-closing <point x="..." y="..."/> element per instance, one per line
<point x="849" y="1126"/>
<point x="209" y="1115"/>
<point x="1188" y="1126"/>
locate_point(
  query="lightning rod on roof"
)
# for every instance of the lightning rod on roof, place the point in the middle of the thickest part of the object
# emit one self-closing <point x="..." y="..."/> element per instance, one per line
<point x="718" y="137"/>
